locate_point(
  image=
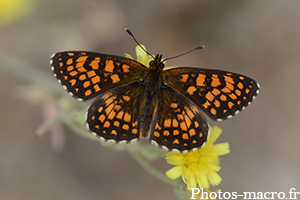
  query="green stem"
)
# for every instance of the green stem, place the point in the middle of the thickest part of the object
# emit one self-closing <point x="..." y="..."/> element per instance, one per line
<point x="46" y="125"/>
<point x="148" y="167"/>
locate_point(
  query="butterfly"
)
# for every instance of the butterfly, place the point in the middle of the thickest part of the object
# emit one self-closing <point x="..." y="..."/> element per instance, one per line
<point x="165" y="105"/>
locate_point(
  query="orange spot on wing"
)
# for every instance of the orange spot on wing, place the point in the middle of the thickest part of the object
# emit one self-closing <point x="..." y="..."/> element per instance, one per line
<point x="91" y="74"/>
<point x="192" y="132"/>
<point x="86" y="84"/>
<point x="114" y="132"/>
<point x="176" y="141"/>
<point x="82" y="59"/>
<point x="109" y="66"/>
<point x="70" y="68"/>
<point x="69" y="61"/>
<point x="81" y="69"/>
<point x="206" y="104"/>
<point x="102" y="118"/>
<point x="216" y="92"/>
<point x="184" y="77"/>
<point x="88" y="93"/>
<point x="97" y="88"/>
<point x="115" y="78"/>
<point x="95" y="79"/>
<point x="189" y="113"/>
<point x="196" y="124"/>
<point x="82" y="77"/>
<point x="134" y="131"/>
<point x="226" y="90"/>
<point x="125" y="127"/>
<point x="183" y="126"/>
<point x="173" y="105"/>
<point x="111" y="115"/>
<point x="217" y="103"/>
<point x="176" y="132"/>
<point x="185" y="136"/>
<point x="223" y="97"/>
<point x="79" y="65"/>
<point x="229" y="79"/>
<point x="209" y="96"/>
<point x="200" y="81"/>
<point x="230" y="104"/>
<point x="156" y="134"/>
<point x="167" y="123"/>
<point x="175" y="123"/>
<point x="116" y="123"/>
<point x="232" y="96"/>
<point x="73" y="82"/>
<point x="238" y="92"/>
<point x="125" y="68"/>
<point x="73" y="73"/>
<point x="106" y="124"/>
<point x="215" y="81"/>
<point x="95" y="63"/>
<point x="213" y="111"/>
<point x="240" y="85"/>
<point x="166" y="133"/>
<point x="127" y="117"/>
<point x="191" y="90"/>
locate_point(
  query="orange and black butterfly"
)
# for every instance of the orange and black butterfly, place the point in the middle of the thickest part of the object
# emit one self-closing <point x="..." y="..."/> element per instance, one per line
<point x="165" y="105"/>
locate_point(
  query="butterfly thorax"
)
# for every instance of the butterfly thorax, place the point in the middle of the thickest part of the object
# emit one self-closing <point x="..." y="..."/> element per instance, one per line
<point x="154" y="78"/>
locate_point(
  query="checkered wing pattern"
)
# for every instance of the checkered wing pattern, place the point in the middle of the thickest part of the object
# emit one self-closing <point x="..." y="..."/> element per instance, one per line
<point x="178" y="123"/>
<point x="114" y="114"/>
<point x="218" y="93"/>
<point x="86" y="75"/>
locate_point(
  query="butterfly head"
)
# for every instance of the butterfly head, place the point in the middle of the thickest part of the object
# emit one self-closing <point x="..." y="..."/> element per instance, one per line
<point x="157" y="63"/>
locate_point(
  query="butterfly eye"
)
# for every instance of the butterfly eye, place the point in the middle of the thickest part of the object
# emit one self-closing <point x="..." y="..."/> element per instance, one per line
<point x="152" y="63"/>
<point x="162" y="65"/>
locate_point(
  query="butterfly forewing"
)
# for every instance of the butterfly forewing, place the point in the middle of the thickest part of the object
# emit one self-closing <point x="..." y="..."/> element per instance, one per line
<point x="178" y="123"/>
<point x="218" y="93"/>
<point x="85" y="75"/>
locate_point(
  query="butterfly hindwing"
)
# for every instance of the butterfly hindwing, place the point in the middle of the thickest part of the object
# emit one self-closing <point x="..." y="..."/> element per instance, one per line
<point x="218" y="93"/>
<point x="114" y="114"/>
<point x="178" y="123"/>
<point x="86" y="75"/>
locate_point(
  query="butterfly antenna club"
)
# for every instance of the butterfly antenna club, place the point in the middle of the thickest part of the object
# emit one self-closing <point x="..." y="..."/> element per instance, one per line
<point x="130" y="33"/>
<point x="197" y="48"/>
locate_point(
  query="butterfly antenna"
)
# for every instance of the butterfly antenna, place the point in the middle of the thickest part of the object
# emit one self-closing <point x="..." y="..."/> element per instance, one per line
<point x="130" y="33"/>
<point x="197" y="48"/>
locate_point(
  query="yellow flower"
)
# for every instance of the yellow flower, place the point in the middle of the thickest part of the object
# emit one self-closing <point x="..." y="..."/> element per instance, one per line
<point x="199" y="167"/>
<point x="12" y="10"/>
<point x="141" y="56"/>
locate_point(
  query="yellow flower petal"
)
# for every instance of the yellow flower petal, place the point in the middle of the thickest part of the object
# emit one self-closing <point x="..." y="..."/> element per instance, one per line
<point x="201" y="166"/>
<point x="216" y="134"/>
<point x="202" y="181"/>
<point x="128" y="56"/>
<point x="174" y="160"/>
<point x="214" y="178"/>
<point x="174" y="172"/>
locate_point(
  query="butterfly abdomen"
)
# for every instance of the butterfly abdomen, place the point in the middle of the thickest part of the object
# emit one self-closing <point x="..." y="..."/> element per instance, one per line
<point x="146" y="113"/>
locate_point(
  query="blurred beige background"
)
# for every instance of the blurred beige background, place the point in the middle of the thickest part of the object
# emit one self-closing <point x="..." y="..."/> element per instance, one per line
<point x="260" y="39"/>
